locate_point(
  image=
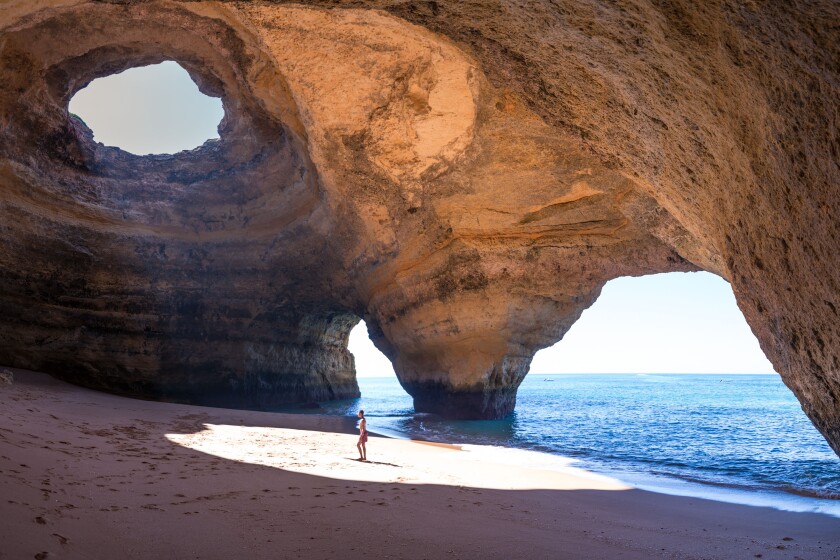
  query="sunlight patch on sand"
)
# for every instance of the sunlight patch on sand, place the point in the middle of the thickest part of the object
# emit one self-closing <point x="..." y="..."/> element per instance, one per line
<point x="334" y="456"/>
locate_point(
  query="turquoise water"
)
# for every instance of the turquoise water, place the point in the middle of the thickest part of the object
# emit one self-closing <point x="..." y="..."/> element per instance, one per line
<point x="743" y="432"/>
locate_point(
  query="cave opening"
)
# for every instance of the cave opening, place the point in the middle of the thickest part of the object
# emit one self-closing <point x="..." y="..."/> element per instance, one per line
<point x="155" y="109"/>
<point x="675" y="322"/>
<point x="664" y="371"/>
<point x="661" y="373"/>
<point x="370" y="361"/>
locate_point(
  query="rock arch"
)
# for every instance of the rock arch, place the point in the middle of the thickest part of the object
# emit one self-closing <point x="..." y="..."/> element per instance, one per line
<point x="465" y="178"/>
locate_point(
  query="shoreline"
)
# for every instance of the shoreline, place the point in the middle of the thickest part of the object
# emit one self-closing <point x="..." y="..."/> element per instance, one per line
<point x="92" y="475"/>
<point x="668" y="484"/>
<point x="736" y="492"/>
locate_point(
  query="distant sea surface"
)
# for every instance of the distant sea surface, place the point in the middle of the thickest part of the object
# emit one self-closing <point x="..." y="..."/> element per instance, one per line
<point x="741" y="438"/>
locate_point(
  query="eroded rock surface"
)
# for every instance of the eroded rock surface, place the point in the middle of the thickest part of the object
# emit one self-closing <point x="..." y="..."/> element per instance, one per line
<point x="465" y="176"/>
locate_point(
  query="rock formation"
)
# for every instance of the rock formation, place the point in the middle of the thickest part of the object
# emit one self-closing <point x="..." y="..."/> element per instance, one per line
<point x="465" y="176"/>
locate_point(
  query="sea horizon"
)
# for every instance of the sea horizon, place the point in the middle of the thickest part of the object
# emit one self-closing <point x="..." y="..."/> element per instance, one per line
<point x="606" y="373"/>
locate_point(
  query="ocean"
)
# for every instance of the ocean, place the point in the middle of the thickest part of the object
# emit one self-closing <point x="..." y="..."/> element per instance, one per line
<point x="736" y="438"/>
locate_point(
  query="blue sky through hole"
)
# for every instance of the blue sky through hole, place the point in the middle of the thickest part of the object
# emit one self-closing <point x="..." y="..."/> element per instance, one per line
<point x="155" y="109"/>
<point x="664" y="323"/>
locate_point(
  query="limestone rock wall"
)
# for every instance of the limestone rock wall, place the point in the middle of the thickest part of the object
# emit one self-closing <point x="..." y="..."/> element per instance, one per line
<point x="196" y="277"/>
<point x="465" y="176"/>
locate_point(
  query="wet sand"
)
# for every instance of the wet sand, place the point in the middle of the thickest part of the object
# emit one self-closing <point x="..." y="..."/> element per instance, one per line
<point x="89" y="475"/>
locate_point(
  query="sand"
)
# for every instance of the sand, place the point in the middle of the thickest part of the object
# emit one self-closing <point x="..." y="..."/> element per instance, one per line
<point x="89" y="475"/>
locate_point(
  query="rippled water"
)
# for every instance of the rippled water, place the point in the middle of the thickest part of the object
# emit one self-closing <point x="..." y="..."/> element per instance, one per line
<point x="735" y="431"/>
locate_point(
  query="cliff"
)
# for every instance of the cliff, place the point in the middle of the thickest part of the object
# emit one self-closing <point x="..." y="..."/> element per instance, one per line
<point x="465" y="176"/>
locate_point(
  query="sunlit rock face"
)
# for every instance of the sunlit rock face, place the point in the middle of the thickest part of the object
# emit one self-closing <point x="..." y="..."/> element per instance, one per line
<point x="465" y="176"/>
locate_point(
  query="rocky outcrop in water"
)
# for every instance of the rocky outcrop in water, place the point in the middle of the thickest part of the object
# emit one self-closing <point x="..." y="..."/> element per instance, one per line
<point x="465" y="176"/>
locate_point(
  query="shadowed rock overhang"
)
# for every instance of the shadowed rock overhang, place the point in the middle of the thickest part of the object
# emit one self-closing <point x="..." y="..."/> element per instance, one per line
<point x="464" y="176"/>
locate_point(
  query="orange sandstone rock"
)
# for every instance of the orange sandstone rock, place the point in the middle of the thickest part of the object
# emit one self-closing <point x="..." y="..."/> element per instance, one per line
<point x="465" y="176"/>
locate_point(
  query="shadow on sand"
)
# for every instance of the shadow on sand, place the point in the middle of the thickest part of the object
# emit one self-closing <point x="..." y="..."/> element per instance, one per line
<point x="99" y="471"/>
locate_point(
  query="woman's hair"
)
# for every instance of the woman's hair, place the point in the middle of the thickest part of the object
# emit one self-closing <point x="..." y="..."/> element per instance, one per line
<point x="362" y="412"/>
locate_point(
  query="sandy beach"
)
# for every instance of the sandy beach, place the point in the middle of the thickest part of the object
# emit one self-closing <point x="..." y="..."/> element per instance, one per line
<point x="89" y="475"/>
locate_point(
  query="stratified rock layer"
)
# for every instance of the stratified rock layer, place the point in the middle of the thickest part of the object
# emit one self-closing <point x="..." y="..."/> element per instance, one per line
<point x="465" y="176"/>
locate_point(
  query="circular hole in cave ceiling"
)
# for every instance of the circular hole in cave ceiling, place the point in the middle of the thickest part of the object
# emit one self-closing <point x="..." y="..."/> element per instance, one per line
<point x="156" y="109"/>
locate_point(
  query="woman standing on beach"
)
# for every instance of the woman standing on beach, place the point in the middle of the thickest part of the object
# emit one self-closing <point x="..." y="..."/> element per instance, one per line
<point x="363" y="437"/>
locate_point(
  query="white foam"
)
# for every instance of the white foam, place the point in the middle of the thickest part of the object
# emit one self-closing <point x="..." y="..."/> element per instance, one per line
<point x="659" y="484"/>
<point x="752" y="497"/>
